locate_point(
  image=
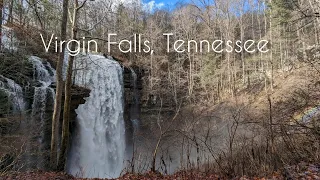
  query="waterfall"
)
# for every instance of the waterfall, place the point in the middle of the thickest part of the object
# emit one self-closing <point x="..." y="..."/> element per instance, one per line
<point x="43" y="75"/>
<point x="134" y="108"/>
<point x="14" y="92"/>
<point x="98" y="147"/>
<point x="42" y="71"/>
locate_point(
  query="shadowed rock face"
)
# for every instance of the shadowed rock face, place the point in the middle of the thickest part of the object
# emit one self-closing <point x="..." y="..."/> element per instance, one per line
<point x="78" y="95"/>
<point x="132" y="99"/>
<point x="127" y="78"/>
<point x="117" y="55"/>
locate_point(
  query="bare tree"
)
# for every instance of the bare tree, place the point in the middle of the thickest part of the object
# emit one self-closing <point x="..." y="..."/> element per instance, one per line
<point x="59" y="89"/>
<point x="67" y="100"/>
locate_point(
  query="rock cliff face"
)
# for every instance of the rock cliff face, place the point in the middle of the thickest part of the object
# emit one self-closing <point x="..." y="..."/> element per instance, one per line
<point x="132" y="85"/>
<point x="132" y="78"/>
<point x="78" y="95"/>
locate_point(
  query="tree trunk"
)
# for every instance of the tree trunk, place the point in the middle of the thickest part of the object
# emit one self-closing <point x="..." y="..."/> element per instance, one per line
<point x="154" y="156"/>
<point x="273" y="155"/>
<point x="242" y="40"/>
<point x="271" y="55"/>
<point x="1" y="6"/>
<point x="57" y="104"/>
<point x="10" y="17"/>
<point x="67" y="100"/>
<point x="21" y="13"/>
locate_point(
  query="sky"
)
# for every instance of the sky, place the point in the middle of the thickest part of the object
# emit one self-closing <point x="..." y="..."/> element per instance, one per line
<point x="158" y="4"/>
<point x="151" y="5"/>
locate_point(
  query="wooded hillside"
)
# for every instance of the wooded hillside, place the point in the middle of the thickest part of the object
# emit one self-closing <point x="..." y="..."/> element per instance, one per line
<point x="230" y="113"/>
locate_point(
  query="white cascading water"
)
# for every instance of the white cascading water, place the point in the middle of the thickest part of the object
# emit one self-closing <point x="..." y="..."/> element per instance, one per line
<point x="42" y="71"/>
<point x="98" y="147"/>
<point x="44" y="75"/>
<point x="14" y="92"/>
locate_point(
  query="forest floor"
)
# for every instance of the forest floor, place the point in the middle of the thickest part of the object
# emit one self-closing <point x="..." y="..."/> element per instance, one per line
<point x="299" y="171"/>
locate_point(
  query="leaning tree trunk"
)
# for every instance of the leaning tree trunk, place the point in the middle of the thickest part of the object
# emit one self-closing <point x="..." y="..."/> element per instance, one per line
<point x="58" y="98"/>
